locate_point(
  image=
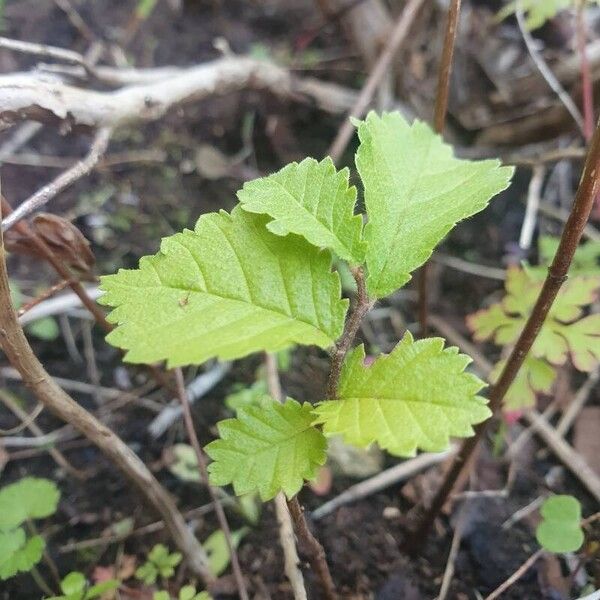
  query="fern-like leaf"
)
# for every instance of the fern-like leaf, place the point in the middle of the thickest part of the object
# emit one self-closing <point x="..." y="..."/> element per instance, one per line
<point x="267" y="449"/>
<point x="415" y="193"/>
<point x="313" y="200"/>
<point x="226" y="289"/>
<point x="416" y="397"/>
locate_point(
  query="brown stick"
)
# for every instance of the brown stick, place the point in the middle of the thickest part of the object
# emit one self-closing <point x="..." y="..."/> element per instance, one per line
<point x="439" y="121"/>
<point x="313" y="548"/>
<point x="65" y="179"/>
<point x="557" y="275"/>
<point x="19" y="352"/>
<point x="200" y="458"/>
<point x="361" y="308"/>
<point x="516" y="575"/>
<point x="398" y="35"/>
<point x="311" y="545"/>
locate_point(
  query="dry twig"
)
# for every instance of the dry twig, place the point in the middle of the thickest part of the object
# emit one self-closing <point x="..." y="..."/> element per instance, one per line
<point x="398" y="35"/>
<point x="49" y="191"/>
<point x="202" y="468"/>
<point x="316" y="553"/>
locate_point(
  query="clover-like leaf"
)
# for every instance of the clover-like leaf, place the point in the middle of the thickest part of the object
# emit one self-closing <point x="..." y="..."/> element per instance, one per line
<point x="18" y="554"/>
<point x="217" y="549"/>
<point x="564" y="332"/>
<point x="313" y="200"/>
<point x="226" y="289"/>
<point x="535" y="376"/>
<point x="269" y="449"/>
<point x="73" y="583"/>
<point x="560" y="529"/>
<point x="416" y="397"/>
<point x="415" y="193"/>
<point x="28" y="498"/>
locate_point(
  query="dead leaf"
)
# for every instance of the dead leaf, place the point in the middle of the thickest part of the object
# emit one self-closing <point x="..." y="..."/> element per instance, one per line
<point x="64" y="239"/>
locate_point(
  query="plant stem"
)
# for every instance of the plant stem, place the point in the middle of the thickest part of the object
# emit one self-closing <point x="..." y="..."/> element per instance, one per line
<point x="397" y="36"/>
<point x="439" y="122"/>
<point x="311" y="546"/>
<point x="557" y="275"/>
<point x="16" y="347"/>
<point x="360" y="309"/>
<point x="587" y="90"/>
<point x="313" y="549"/>
<point x="40" y="581"/>
<point x="201" y="459"/>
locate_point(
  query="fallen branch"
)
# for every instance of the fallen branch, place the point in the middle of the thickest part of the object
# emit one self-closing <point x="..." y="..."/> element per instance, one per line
<point x="46" y="98"/>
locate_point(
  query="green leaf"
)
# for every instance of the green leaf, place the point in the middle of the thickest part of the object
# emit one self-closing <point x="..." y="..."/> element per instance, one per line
<point x="564" y="333"/>
<point x="97" y="590"/>
<point x="73" y="583"/>
<point x="20" y="557"/>
<point x="535" y="376"/>
<point x="225" y="290"/>
<point x="243" y="397"/>
<point x="586" y="261"/>
<point x="268" y="449"/>
<point x="560" y="529"/>
<point x="416" y="397"/>
<point x="147" y="573"/>
<point x="217" y="549"/>
<point x="185" y="465"/>
<point x="162" y="595"/>
<point x="29" y="498"/>
<point x="536" y="12"/>
<point x="313" y="200"/>
<point x="415" y="193"/>
<point x="44" y="329"/>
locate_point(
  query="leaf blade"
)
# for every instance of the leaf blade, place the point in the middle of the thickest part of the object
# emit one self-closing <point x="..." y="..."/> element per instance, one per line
<point x="225" y="290"/>
<point x="436" y="399"/>
<point x="267" y="449"/>
<point x="415" y="192"/>
<point x="313" y="200"/>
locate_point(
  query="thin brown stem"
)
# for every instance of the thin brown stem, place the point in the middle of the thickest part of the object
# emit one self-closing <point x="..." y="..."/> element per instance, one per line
<point x="395" y="40"/>
<point x="557" y="275"/>
<point x="360" y="309"/>
<point x="65" y="179"/>
<point x="313" y="549"/>
<point x="439" y="121"/>
<point x="310" y="544"/>
<point x="201" y="459"/>
<point x="516" y="575"/>
<point x="16" y="347"/>
<point x="57" y="287"/>
<point x="587" y="90"/>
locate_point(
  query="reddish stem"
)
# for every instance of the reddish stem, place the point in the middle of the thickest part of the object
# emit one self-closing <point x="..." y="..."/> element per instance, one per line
<point x="557" y="275"/>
